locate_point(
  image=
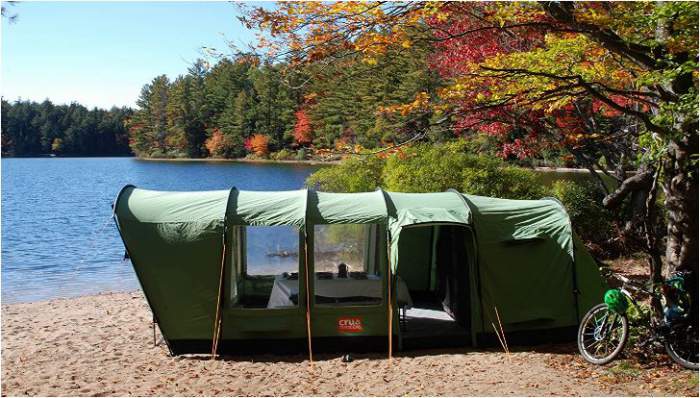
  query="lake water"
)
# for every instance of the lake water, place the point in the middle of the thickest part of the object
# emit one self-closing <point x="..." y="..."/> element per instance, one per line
<point x="58" y="237"/>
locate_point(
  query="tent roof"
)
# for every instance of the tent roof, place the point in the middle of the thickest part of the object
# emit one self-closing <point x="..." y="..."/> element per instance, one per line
<point x="346" y="208"/>
<point x="157" y="207"/>
<point x="306" y="206"/>
<point x="434" y="207"/>
<point x="267" y="208"/>
<point x="290" y="207"/>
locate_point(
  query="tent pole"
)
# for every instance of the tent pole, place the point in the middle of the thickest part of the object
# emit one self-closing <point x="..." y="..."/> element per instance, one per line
<point x="308" y="296"/>
<point x="217" y="316"/>
<point x="390" y="315"/>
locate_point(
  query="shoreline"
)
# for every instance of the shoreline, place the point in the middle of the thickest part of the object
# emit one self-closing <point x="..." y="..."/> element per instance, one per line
<point x="77" y="297"/>
<point x="309" y="162"/>
<point x="329" y="162"/>
<point x="240" y="160"/>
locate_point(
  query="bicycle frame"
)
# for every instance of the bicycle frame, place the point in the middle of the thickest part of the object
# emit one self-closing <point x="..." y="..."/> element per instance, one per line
<point x="629" y="289"/>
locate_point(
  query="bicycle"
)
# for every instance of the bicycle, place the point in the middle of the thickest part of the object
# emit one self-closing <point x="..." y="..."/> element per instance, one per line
<point x="604" y="329"/>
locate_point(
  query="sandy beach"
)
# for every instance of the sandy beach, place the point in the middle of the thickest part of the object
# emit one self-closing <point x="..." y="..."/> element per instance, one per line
<point x="103" y="345"/>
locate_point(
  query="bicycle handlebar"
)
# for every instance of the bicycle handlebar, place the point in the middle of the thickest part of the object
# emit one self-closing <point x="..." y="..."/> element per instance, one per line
<point x="631" y="284"/>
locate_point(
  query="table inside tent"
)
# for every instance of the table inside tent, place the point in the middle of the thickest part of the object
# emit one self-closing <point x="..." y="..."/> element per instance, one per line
<point x="336" y="288"/>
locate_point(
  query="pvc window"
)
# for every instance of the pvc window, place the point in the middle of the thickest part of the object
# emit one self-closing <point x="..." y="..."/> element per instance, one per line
<point x="346" y="266"/>
<point x="265" y="267"/>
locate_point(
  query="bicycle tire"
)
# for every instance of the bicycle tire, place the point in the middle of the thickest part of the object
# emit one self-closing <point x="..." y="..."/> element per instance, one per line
<point x="678" y="358"/>
<point x="581" y="340"/>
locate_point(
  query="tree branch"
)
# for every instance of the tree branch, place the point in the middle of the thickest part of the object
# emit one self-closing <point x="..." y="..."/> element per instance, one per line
<point x="635" y="183"/>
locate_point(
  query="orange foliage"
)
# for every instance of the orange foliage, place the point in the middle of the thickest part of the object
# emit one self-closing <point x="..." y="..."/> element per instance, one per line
<point x="258" y="144"/>
<point x="215" y="143"/>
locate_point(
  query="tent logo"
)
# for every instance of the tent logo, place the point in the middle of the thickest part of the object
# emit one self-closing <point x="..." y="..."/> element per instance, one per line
<point x="350" y="324"/>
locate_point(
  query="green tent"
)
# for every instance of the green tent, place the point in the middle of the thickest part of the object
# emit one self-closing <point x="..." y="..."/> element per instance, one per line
<point x="260" y="267"/>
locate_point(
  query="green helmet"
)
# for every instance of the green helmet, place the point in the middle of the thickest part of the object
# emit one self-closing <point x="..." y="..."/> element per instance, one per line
<point x="616" y="301"/>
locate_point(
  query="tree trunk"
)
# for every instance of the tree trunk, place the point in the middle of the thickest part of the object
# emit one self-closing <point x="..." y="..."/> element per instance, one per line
<point x="650" y="231"/>
<point x="681" y="202"/>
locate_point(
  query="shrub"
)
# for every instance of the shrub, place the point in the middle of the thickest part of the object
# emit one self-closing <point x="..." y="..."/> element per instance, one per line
<point x="489" y="178"/>
<point x="431" y="168"/>
<point x="591" y="221"/>
<point x="441" y="167"/>
<point x="176" y="154"/>
<point x="158" y="153"/>
<point x="425" y="168"/>
<point x="354" y="174"/>
<point x="282" y="154"/>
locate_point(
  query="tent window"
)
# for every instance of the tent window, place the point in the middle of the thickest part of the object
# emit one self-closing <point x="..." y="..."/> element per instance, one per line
<point x="346" y="265"/>
<point x="265" y="266"/>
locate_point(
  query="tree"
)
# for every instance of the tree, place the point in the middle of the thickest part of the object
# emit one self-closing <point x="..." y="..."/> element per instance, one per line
<point x="514" y="66"/>
<point x="56" y="145"/>
<point x="237" y="122"/>
<point x="302" y="128"/>
<point x="30" y="129"/>
<point x="179" y="116"/>
<point x="148" y="126"/>
<point x="275" y="104"/>
<point x="258" y="144"/>
<point x="196" y="125"/>
<point x="215" y="143"/>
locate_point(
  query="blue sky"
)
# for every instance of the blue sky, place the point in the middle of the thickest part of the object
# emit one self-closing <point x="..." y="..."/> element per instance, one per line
<point x="102" y="53"/>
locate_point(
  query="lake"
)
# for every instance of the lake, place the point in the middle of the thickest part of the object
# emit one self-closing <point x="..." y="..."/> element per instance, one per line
<point x="58" y="236"/>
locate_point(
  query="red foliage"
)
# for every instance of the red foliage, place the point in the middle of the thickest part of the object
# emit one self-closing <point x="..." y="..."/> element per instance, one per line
<point x="302" y="128"/>
<point x="518" y="132"/>
<point x="456" y="50"/>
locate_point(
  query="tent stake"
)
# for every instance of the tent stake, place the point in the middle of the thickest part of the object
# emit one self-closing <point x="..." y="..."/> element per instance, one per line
<point x="499" y="338"/>
<point x="217" y="316"/>
<point x="500" y="325"/>
<point x="154" y="331"/>
<point x="390" y="315"/>
<point x="308" y="296"/>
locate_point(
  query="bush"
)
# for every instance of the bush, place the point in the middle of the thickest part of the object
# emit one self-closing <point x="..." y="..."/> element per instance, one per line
<point x="425" y="168"/>
<point x="431" y="168"/>
<point x="441" y="167"/>
<point x="176" y="154"/>
<point x="158" y="153"/>
<point x="489" y="178"/>
<point x="282" y="154"/>
<point x="355" y="174"/>
<point x="591" y="221"/>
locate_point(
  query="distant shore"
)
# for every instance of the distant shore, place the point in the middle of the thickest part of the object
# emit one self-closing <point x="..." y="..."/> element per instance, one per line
<point x="242" y="160"/>
<point x="309" y="162"/>
<point x="322" y="162"/>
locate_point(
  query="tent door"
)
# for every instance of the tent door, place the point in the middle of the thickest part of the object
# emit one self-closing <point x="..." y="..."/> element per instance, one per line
<point x="433" y="261"/>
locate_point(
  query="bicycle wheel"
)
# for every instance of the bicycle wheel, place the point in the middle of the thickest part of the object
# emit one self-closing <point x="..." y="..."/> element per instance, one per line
<point x="682" y="347"/>
<point x="601" y="335"/>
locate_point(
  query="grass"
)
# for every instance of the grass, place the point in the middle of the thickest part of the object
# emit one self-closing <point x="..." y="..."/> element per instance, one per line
<point x="625" y="368"/>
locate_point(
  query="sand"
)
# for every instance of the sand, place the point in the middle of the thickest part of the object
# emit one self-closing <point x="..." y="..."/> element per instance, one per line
<point x="102" y="345"/>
